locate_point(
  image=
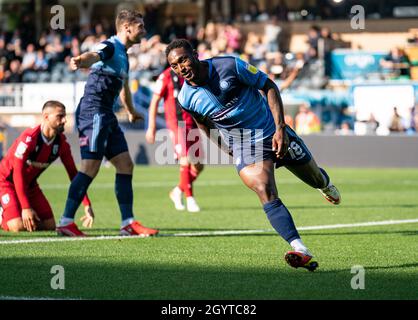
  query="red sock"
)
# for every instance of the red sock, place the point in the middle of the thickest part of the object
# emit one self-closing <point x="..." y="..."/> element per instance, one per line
<point x="193" y="174"/>
<point x="185" y="181"/>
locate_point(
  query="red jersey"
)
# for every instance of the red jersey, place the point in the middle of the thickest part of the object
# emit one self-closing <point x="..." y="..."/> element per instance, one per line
<point x="168" y="87"/>
<point x="29" y="156"/>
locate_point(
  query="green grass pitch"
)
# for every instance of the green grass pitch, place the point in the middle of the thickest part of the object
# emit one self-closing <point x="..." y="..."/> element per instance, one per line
<point x="226" y="267"/>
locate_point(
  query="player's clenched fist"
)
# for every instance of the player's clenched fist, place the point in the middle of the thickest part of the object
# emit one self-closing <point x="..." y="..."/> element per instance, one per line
<point x="75" y="63"/>
<point x="134" y="116"/>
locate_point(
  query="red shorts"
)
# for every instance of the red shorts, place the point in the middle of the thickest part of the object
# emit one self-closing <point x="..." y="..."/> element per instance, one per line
<point x="11" y="208"/>
<point x="187" y="143"/>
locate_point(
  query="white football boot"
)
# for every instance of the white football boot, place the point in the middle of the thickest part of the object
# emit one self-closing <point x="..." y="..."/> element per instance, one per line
<point x="192" y="205"/>
<point x="176" y="195"/>
<point x="331" y="193"/>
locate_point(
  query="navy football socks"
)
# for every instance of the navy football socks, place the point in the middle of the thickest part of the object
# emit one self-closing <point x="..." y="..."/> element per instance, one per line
<point x="324" y="173"/>
<point x="281" y="220"/>
<point x="124" y="195"/>
<point x="76" y="193"/>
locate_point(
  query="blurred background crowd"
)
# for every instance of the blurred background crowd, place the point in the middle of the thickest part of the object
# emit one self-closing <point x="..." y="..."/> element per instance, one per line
<point x="29" y="54"/>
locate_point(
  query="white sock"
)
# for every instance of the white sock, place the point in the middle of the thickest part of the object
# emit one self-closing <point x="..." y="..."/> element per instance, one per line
<point x="298" y="245"/>
<point x="64" y="221"/>
<point x="127" y="222"/>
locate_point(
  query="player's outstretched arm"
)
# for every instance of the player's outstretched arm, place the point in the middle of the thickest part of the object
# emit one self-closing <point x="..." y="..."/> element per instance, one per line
<point x="85" y="60"/>
<point x="152" y="115"/>
<point x="280" y="139"/>
<point x="126" y="99"/>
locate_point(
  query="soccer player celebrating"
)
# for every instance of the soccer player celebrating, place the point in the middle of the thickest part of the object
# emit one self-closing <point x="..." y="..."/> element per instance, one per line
<point x="168" y="86"/>
<point x="223" y="93"/>
<point x="99" y="131"/>
<point x="23" y="206"/>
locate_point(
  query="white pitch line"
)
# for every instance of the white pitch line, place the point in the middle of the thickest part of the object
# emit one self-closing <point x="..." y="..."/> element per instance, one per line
<point x="34" y="298"/>
<point x="212" y="233"/>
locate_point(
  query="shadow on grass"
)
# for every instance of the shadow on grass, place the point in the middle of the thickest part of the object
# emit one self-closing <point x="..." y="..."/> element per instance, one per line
<point x="145" y="278"/>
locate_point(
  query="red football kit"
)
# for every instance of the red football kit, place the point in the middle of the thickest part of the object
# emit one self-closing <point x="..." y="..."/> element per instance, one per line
<point x="168" y="87"/>
<point x="24" y="162"/>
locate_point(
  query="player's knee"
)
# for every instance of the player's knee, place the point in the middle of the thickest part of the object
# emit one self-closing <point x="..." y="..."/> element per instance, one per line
<point x="128" y="166"/>
<point x="184" y="161"/>
<point x="198" y="167"/>
<point x="15" y="225"/>
<point x="264" y="191"/>
<point x="48" y="225"/>
<point x="90" y="168"/>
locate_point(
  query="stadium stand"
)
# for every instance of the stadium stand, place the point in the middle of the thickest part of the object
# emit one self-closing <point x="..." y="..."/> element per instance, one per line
<point x="335" y="62"/>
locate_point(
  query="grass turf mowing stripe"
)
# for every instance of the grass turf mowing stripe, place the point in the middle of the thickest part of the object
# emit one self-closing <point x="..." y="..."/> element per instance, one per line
<point x="34" y="298"/>
<point x="213" y="233"/>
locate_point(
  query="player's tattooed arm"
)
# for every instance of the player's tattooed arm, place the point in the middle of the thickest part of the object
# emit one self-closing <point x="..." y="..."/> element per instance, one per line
<point x="84" y="60"/>
<point x="274" y="100"/>
<point x="126" y="99"/>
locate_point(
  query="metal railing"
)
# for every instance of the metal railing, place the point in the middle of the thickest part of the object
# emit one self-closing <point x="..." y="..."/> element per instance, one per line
<point x="11" y="95"/>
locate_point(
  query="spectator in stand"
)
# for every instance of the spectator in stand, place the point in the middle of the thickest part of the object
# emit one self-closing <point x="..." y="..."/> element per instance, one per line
<point x="253" y="12"/>
<point x="413" y="128"/>
<point x="3" y="51"/>
<point x="289" y="121"/>
<point x="151" y="18"/>
<point x="281" y="11"/>
<point x="397" y="62"/>
<point x="373" y="123"/>
<point x="2" y="71"/>
<point x="190" y="30"/>
<point x="306" y="121"/>
<point x="210" y="32"/>
<point x="14" y="75"/>
<point x="272" y="31"/>
<point x="396" y="123"/>
<point x="413" y="125"/>
<point x="41" y="62"/>
<point x="28" y="62"/>
<point x="234" y="37"/>
<point x="344" y="130"/>
<point x="172" y="30"/>
<point x="85" y="9"/>
<point x="313" y="36"/>
<point x="413" y="39"/>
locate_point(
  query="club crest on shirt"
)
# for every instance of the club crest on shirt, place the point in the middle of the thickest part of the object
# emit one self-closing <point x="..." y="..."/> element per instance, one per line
<point x="55" y="149"/>
<point x="20" y="150"/>
<point x="5" y="199"/>
<point x="224" y="84"/>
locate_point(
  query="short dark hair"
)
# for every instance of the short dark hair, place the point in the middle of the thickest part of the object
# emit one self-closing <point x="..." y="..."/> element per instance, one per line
<point x="179" y="43"/>
<point x="53" y="104"/>
<point x="128" y="16"/>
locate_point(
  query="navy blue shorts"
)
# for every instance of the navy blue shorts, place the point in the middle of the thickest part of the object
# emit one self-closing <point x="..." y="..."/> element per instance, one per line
<point x="100" y="136"/>
<point x="247" y="154"/>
